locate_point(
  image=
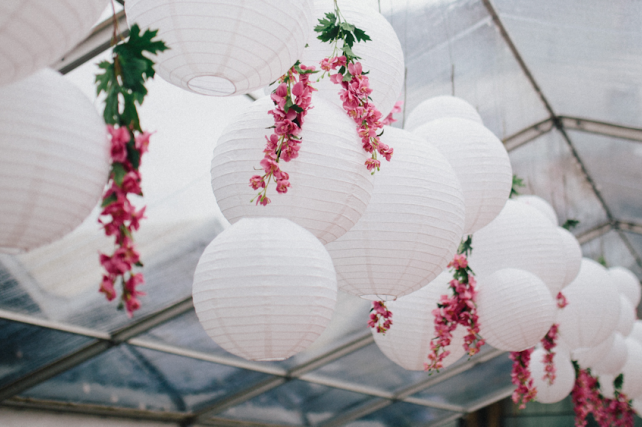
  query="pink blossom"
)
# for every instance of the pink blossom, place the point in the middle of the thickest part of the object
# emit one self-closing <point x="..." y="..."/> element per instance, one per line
<point x="525" y="391"/>
<point x="257" y="182"/>
<point x="282" y="186"/>
<point x="380" y="317"/>
<point x="131" y="183"/>
<point x="107" y="288"/>
<point x="141" y="142"/>
<point x="372" y="164"/>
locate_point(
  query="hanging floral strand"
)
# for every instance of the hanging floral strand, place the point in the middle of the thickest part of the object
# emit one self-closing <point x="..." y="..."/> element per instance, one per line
<point x="525" y="391"/>
<point x="356" y="90"/>
<point x="549" y="342"/>
<point x="380" y="317"/>
<point x="123" y="82"/>
<point x="458" y="309"/>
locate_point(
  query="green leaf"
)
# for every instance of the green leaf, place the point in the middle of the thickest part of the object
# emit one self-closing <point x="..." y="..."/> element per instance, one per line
<point x="361" y="35"/>
<point x="133" y="155"/>
<point x="517" y="183"/>
<point x="118" y="169"/>
<point x="347" y="77"/>
<point x="602" y="261"/>
<point x="347" y="27"/>
<point x="108" y="200"/>
<point x="618" y="382"/>
<point x="571" y="224"/>
<point x="349" y="39"/>
<point x="465" y="247"/>
<point x="297" y="108"/>
<point x="288" y="104"/>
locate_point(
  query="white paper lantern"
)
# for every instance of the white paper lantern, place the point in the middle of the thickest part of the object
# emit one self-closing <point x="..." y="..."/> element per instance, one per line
<point x="541" y="205"/>
<point x="627" y="317"/>
<point x="593" y="309"/>
<point x="480" y="162"/>
<point x="590" y="356"/>
<point x="637" y="406"/>
<point x="632" y="371"/>
<point x="36" y="33"/>
<point x="411" y="228"/>
<point x="607" y="388"/>
<point x="54" y="162"/>
<point x="330" y="185"/>
<point x="441" y="107"/>
<point x="264" y="289"/>
<point x="520" y="237"/>
<point x="382" y="56"/>
<point x="564" y="376"/>
<point x="572" y="254"/>
<point x="225" y="47"/>
<point x="627" y="283"/>
<point x="515" y="309"/>
<point x="636" y="332"/>
<point x="407" y="343"/>
<point x="614" y="360"/>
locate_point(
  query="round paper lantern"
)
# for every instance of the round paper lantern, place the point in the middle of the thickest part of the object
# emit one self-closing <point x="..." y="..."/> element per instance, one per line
<point x="627" y="316"/>
<point x="607" y="389"/>
<point x="382" y="56"/>
<point x="54" y="163"/>
<point x="36" y="33"/>
<point x="515" y="309"/>
<point x="637" y="406"/>
<point x="590" y="356"/>
<point x="615" y="359"/>
<point x="222" y="47"/>
<point x="441" y="107"/>
<point x="520" y="237"/>
<point x="572" y="254"/>
<point x="264" y="289"/>
<point x="636" y="332"/>
<point x="632" y="371"/>
<point x="480" y="162"/>
<point x="541" y="205"/>
<point x="407" y="343"/>
<point x="411" y="228"/>
<point x="564" y="376"/>
<point x="627" y="283"/>
<point x="330" y="186"/>
<point x="593" y="309"/>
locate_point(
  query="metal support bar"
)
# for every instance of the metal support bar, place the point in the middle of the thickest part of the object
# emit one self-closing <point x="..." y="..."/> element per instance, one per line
<point x="602" y="128"/>
<point x="528" y="134"/>
<point x="595" y="232"/>
<point x="359" y="412"/>
<point x="50" y="324"/>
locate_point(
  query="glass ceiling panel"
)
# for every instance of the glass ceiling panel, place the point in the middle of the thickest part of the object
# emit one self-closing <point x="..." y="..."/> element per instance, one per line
<point x="439" y="35"/>
<point x="614" y="164"/>
<point x="296" y="403"/>
<point x="26" y="348"/>
<point x="470" y="387"/>
<point x="550" y="171"/>
<point x="586" y="56"/>
<point x="614" y="251"/>
<point x="402" y="414"/>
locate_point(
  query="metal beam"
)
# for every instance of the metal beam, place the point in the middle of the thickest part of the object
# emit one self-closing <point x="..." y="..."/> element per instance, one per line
<point x="359" y="412"/>
<point x="594" y="233"/>
<point x="528" y="134"/>
<point x="50" y="324"/>
<point x="602" y="128"/>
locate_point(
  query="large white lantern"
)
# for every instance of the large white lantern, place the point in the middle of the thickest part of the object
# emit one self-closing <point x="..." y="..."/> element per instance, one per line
<point x="222" y="47"/>
<point x="515" y="309"/>
<point x="330" y="185"/>
<point x="541" y="205"/>
<point x="264" y="289"/>
<point x="520" y="237"/>
<point x="36" y="33"/>
<point x="572" y="254"/>
<point x="632" y="371"/>
<point x="627" y="316"/>
<point x="54" y="160"/>
<point x="590" y="356"/>
<point x="636" y="332"/>
<point x="382" y="56"/>
<point x="441" y="107"/>
<point x="614" y="360"/>
<point x="627" y="283"/>
<point x="593" y="309"/>
<point x="607" y="388"/>
<point x="564" y="376"/>
<point x="480" y="162"/>
<point x="411" y="228"/>
<point x="407" y="343"/>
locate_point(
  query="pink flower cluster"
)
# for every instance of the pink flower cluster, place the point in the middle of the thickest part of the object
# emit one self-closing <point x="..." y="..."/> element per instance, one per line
<point x="525" y="391"/>
<point x="458" y="309"/>
<point x="123" y="218"/>
<point x="380" y="317"/>
<point x="356" y="102"/>
<point x="292" y="100"/>
<point x="561" y="300"/>
<point x="390" y="118"/>
<point x="607" y="412"/>
<point x="548" y="343"/>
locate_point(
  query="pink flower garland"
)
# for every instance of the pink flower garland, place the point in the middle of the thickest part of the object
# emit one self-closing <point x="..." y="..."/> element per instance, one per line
<point x="292" y="100"/>
<point x="561" y="300"/>
<point x="548" y="343"/>
<point x="458" y="309"/>
<point x="525" y="391"/>
<point x="607" y="412"/>
<point x="380" y="317"/>
<point x="122" y="218"/>
<point x="356" y="102"/>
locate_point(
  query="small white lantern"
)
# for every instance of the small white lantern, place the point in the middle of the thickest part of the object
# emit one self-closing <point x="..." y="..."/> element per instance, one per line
<point x="541" y="205"/>
<point x="407" y="343"/>
<point x="614" y="360"/>
<point x="637" y="406"/>
<point x="264" y="289"/>
<point x="572" y="253"/>
<point x="54" y="163"/>
<point x="632" y="371"/>
<point x="36" y="33"/>
<point x="441" y="107"/>
<point x="330" y="185"/>
<point x="520" y="237"/>
<point x="607" y="388"/>
<point x="480" y="162"/>
<point x="224" y="48"/>
<point x="515" y="309"/>
<point x="590" y="356"/>
<point x="593" y="309"/>
<point x="627" y="283"/>
<point x="564" y="376"/>
<point x="636" y="332"/>
<point x="382" y="56"/>
<point x="627" y="317"/>
<point x="411" y="228"/>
